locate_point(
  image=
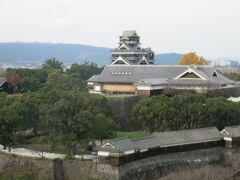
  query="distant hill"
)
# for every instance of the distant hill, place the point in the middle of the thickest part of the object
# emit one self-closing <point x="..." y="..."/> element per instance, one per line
<point x="34" y="54"/>
<point x="168" y="58"/>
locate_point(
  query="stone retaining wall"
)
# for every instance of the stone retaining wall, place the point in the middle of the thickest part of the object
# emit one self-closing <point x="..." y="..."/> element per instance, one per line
<point x="144" y="169"/>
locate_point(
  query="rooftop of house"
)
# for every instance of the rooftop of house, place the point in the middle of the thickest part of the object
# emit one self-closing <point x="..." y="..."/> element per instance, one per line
<point x="2" y="81"/>
<point x="232" y="131"/>
<point x="164" y="139"/>
<point x="136" y="73"/>
<point x="189" y="136"/>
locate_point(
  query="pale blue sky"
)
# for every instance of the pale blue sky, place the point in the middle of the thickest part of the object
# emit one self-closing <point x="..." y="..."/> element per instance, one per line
<point x="209" y="27"/>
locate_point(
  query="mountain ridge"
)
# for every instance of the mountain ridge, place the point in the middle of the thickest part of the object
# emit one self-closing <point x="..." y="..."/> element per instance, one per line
<point x="35" y="53"/>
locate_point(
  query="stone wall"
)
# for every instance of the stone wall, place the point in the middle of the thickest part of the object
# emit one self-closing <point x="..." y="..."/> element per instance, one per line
<point x="144" y="169"/>
<point x="162" y="165"/>
<point x="11" y="164"/>
<point x="45" y="169"/>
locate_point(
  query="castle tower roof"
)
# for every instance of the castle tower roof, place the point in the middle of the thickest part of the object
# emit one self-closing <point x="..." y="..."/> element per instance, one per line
<point x="130" y="50"/>
<point x="129" y="33"/>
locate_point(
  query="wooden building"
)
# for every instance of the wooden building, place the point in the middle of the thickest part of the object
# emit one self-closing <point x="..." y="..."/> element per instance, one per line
<point x="123" y="150"/>
<point x="132" y="71"/>
<point x="6" y="87"/>
<point x="231" y="136"/>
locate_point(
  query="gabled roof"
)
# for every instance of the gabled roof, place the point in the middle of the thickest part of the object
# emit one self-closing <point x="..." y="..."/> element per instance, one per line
<point x="197" y="73"/>
<point x="122" y="144"/>
<point x="124" y="60"/>
<point x="124" y="45"/>
<point x="143" y="59"/>
<point x="170" y="72"/>
<point x="2" y="81"/>
<point x="233" y="131"/>
<point x="164" y="139"/>
<point x="93" y="78"/>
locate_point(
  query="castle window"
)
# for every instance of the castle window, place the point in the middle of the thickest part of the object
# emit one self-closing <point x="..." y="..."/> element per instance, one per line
<point x="121" y="73"/>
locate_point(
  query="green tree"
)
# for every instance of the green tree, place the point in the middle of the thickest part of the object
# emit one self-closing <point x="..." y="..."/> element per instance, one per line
<point x="10" y="120"/>
<point x="84" y="71"/>
<point x="221" y="112"/>
<point x="30" y="105"/>
<point x="163" y="113"/>
<point x="57" y="80"/>
<point x="191" y="110"/>
<point x="28" y="80"/>
<point x="103" y="127"/>
<point x="51" y="64"/>
<point x="151" y="114"/>
<point x="72" y="118"/>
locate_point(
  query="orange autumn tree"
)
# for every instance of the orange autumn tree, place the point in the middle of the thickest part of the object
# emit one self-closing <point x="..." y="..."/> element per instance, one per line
<point x="192" y="58"/>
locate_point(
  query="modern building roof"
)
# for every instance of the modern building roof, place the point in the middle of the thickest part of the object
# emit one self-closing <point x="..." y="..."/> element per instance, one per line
<point x="150" y="72"/>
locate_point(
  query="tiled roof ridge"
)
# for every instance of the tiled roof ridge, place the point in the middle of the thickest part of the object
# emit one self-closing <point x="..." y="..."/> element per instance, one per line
<point x="181" y="130"/>
<point x="235" y="126"/>
<point x="120" y="138"/>
<point x="143" y="138"/>
<point x="159" y="65"/>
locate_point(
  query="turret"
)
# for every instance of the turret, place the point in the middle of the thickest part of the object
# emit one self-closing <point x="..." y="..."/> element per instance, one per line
<point x="129" y="51"/>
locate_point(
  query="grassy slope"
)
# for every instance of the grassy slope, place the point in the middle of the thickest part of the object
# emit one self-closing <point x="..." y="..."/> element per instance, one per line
<point x="132" y="134"/>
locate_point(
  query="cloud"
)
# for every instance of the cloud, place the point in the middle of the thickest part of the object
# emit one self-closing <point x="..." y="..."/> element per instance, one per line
<point x="210" y="27"/>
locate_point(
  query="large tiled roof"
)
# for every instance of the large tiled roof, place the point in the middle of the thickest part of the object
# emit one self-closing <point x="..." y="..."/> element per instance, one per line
<point x="93" y="78"/>
<point x="172" y="138"/>
<point x="146" y="143"/>
<point x="122" y="144"/>
<point x="155" y="81"/>
<point x="165" y="139"/>
<point x="234" y="131"/>
<point x="140" y="72"/>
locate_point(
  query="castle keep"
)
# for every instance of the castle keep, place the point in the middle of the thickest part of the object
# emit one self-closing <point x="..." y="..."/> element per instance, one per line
<point x="129" y="51"/>
<point x="132" y="71"/>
